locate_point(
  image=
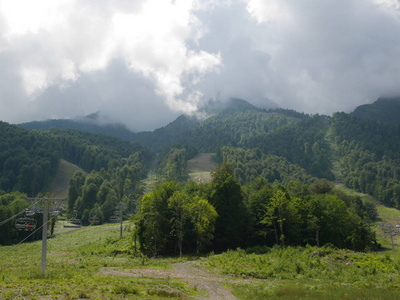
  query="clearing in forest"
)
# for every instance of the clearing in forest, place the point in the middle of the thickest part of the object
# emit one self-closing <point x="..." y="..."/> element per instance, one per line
<point x="59" y="186"/>
<point x="201" y="166"/>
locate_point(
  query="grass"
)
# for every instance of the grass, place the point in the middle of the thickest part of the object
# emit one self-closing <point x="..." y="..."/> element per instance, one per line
<point x="59" y="186"/>
<point x="201" y="166"/>
<point x="386" y="214"/>
<point x="310" y="273"/>
<point x="75" y="257"/>
<point x="73" y="264"/>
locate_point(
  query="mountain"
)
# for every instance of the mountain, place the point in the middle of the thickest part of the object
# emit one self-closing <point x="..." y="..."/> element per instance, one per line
<point x="174" y="132"/>
<point x="384" y="110"/>
<point x="88" y="123"/>
<point x="167" y="135"/>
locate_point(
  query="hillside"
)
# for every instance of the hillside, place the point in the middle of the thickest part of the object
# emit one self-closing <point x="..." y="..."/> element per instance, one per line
<point x="89" y="124"/>
<point x="201" y="166"/>
<point x="270" y="193"/>
<point x="383" y="110"/>
<point x="59" y="186"/>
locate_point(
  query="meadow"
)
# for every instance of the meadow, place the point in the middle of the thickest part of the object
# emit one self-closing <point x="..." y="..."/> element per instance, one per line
<point x="77" y="256"/>
<point x="74" y="259"/>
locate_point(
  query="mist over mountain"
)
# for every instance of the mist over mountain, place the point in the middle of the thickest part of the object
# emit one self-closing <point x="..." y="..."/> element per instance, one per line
<point x="98" y="123"/>
<point x="91" y="123"/>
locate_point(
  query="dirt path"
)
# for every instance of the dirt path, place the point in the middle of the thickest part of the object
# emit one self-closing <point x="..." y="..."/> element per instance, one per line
<point x="200" y="279"/>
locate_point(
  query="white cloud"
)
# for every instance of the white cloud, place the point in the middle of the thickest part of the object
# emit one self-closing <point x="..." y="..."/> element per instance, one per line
<point x="267" y="11"/>
<point x="58" y="41"/>
<point x="136" y="58"/>
<point x="313" y="56"/>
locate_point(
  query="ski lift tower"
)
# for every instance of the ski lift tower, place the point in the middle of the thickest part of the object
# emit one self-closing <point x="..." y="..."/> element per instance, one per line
<point x="45" y="206"/>
<point x="121" y="207"/>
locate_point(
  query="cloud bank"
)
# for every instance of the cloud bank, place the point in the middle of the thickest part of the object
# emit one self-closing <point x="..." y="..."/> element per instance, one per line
<point x="143" y="62"/>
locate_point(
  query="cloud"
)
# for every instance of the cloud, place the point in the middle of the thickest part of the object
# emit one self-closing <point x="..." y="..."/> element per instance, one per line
<point x="58" y="44"/>
<point x="317" y="57"/>
<point x="142" y="62"/>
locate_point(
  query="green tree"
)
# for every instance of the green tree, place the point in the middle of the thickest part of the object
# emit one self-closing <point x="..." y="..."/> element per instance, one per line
<point x="203" y="216"/>
<point x="179" y="204"/>
<point x="75" y="188"/>
<point x="226" y="197"/>
<point x="153" y="219"/>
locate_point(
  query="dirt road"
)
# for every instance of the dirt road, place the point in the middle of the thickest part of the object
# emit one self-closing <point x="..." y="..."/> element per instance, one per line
<point x="198" y="278"/>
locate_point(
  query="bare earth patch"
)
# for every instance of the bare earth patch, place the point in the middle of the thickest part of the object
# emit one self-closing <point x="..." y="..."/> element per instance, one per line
<point x="200" y="279"/>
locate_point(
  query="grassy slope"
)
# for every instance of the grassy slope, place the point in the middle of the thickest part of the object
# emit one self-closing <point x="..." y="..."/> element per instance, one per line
<point x="201" y="166"/>
<point x="73" y="264"/>
<point x="386" y="214"/>
<point x="59" y="186"/>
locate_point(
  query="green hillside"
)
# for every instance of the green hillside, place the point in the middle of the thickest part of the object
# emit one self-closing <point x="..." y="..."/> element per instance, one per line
<point x="265" y="147"/>
<point x="384" y="110"/>
<point x="258" y="181"/>
<point x="59" y="186"/>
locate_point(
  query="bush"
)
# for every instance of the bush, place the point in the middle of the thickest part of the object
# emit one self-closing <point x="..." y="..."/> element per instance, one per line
<point x="258" y="250"/>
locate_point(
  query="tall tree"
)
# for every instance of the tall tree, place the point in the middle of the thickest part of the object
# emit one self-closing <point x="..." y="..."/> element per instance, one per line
<point x="203" y="216"/>
<point x="179" y="204"/>
<point x="226" y="197"/>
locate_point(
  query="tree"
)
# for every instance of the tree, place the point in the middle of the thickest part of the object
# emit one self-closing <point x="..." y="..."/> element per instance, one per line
<point x="226" y="197"/>
<point x="203" y="216"/>
<point x="75" y="188"/>
<point x="282" y="212"/>
<point x="153" y="219"/>
<point x="179" y="204"/>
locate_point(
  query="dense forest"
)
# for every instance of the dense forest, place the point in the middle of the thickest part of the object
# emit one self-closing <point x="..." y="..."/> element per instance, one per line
<point x="272" y="185"/>
<point x="220" y="215"/>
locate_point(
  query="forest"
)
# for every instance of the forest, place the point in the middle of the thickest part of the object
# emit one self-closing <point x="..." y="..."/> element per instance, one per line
<point x="274" y="183"/>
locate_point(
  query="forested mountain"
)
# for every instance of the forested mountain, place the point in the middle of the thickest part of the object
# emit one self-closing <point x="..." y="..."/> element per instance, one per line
<point x="383" y="110"/>
<point x="279" y="155"/>
<point x="28" y="160"/>
<point x="277" y="144"/>
<point x="86" y="124"/>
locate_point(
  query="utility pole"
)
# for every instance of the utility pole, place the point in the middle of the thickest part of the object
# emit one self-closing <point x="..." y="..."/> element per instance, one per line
<point x="121" y="206"/>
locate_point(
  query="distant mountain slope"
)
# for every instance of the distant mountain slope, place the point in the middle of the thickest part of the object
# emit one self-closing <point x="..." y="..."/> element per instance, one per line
<point x="175" y="132"/>
<point x="384" y="110"/>
<point x="235" y="126"/>
<point x="116" y="130"/>
<point x="167" y="135"/>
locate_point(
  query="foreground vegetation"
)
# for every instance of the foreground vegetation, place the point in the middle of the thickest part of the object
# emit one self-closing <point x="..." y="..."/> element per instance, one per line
<point x="311" y="272"/>
<point x="73" y="263"/>
<point x="75" y="260"/>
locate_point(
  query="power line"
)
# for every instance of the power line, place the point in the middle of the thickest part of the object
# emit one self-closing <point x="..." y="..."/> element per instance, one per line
<point x="20" y="213"/>
<point x="14" y="246"/>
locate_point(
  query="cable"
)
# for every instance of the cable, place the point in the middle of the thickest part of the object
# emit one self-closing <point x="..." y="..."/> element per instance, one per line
<point x="9" y="219"/>
<point x="21" y="212"/>
<point x="12" y="248"/>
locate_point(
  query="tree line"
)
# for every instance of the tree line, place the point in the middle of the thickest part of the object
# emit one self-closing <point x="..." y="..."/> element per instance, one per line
<point x="178" y="218"/>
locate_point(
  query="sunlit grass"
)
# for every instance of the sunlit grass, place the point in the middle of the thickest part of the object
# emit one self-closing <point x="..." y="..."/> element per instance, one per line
<point x="310" y="273"/>
<point x="72" y="269"/>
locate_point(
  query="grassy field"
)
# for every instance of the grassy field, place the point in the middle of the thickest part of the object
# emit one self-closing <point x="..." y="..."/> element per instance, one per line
<point x="77" y="256"/>
<point x="73" y="263"/>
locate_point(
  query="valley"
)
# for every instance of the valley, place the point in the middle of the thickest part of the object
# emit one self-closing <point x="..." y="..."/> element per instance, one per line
<point x="246" y="204"/>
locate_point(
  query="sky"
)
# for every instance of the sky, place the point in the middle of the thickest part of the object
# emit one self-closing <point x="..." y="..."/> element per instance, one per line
<point x="144" y="62"/>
